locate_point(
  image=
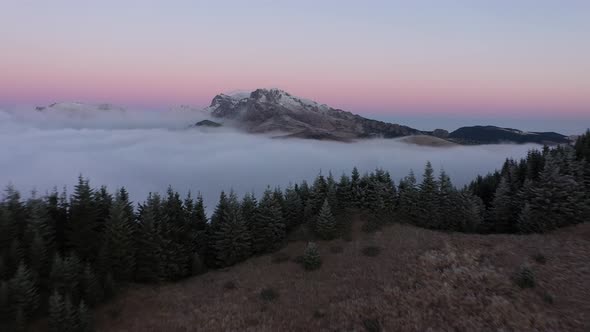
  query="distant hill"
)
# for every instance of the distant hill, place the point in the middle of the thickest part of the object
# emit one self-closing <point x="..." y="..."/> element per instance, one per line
<point x="496" y="135"/>
<point x="208" y="123"/>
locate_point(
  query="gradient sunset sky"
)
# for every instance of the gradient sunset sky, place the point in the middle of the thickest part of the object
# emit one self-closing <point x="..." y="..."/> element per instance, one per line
<point x="512" y="58"/>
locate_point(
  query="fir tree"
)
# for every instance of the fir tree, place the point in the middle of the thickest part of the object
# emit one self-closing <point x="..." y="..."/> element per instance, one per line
<point x="326" y="226"/>
<point x="23" y="292"/>
<point x="4" y="301"/>
<point x="85" y="322"/>
<point x="344" y="193"/>
<point x="57" y="313"/>
<point x="82" y="232"/>
<point x="269" y="228"/>
<point x="92" y="292"/>
<point x="198" y="226"/>
<point x="311" y="257"/>
<point x="293" y="208"/>
<point x="428" y="197"/>
<point x="119" y="243"/>
<point x="249" y="209"/>
<point x="318" y="194"/>
<point x="501" y="213"/>
<point x="408" y="199"/>
<point x="38" y="259"/>
<point x="231" y="236"/>
<point x="148" y="243"/>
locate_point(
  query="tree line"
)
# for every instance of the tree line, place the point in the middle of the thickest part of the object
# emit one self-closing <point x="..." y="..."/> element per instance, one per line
<point x="61" y="255"/>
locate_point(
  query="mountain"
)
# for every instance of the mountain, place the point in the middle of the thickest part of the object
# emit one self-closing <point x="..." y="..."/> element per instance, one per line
<point x="277" y="111"/>
<point x="496" y="135"/>
<point x="80" y="107"/>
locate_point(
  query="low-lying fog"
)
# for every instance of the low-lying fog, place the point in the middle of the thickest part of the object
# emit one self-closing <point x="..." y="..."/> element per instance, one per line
<point x="147" y="151"/>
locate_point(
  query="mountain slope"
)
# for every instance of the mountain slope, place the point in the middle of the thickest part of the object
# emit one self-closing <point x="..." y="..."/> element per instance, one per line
<point x="273" y="110"/>
<point x="421" y="280"/>
<point x="495" y="135"/>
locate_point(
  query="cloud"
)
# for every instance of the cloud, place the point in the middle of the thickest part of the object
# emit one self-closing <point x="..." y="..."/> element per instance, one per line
<point x="148" y="151"/>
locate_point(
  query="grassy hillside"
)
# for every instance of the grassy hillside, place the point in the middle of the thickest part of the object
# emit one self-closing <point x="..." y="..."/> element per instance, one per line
<point x="417" y="279"/>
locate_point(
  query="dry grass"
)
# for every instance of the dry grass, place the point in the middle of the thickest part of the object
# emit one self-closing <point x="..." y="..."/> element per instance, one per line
<point x="421" y="280"/>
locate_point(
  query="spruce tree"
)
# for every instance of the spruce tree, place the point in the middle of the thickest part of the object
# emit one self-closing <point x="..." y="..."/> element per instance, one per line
<point x="92" y="292"/>
<point x="293" y="209"/>
<point x="428" y="198"/>
<point x="326" y="226"/>
<point x="501" y="214"/>
<point x="344" y="193"/>
<point x="82" y="231"/>
<point x="311" y="257"/>
<point x="409" y="199"/>
<point x="198" y="225"/>
<point x="318" y="194"/>
<point x="85" y="322"/>
<point x="5" y="308"/>
<point x="555" y="200"/>
<point x="119" y="243"/>
<point x="23" y="292"/>
<point x="38" y="259"/>
<point x="148" y="243"/>
<point x="269" y="228"/>
<point x="249" y="209"/>
<point x="231" y="236"/>
<point x="447" y="200"/>
<point x="57" y="313"/>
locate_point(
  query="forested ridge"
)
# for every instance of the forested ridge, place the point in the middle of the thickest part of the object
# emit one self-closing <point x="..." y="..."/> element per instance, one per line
<point x="61" y="255"/>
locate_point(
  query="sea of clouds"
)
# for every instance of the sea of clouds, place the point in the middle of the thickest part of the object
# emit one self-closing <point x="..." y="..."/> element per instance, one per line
<point x="146" y="151"/>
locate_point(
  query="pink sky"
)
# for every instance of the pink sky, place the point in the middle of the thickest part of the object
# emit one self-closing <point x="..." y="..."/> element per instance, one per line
<point x="467" y="58"/>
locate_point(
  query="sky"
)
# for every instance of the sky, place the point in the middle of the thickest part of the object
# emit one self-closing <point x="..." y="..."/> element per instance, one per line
<point x="389" y="59"/>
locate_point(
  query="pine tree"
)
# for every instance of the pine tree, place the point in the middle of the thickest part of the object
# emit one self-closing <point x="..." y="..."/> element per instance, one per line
<point x="556" y="198"/>
<point x="318" y="194"/>
<point x="231" y="237"/>
<point x="14" y="256"/>
<point x="525" y="223"/>
<point x="148" y="242"/>
<point x="57" y="315"/>
<point x="293" y="208"/>
<point x="344" y="193"/>
<point x="57" y="220"/>
<point x="71" y="315"/>
<point x="408" y="199"/>
<point x="428" y="198"/>
<point x="38" y="258"/>
<point x="198" y="225"/>
<point x="91" y="289"/>
<point x="82" y="232"/>
<point x="119" y="243"/>
<point x="447" y="200"/>
<point x="177" y="239"/>
<point x="109" y="286"/>
<point x="24" y="293"/>
<point x="326" y="226"/>
<point x="357" y="194"/>
<point x="501" y="215"/>
<point x="103" y="202"/>
<point x="85" y="322"/>
<point x="249" y="209"/>
<point x="311" y="257"/>
<point x="4" y="301"/>
<point x="268" y="230"/>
